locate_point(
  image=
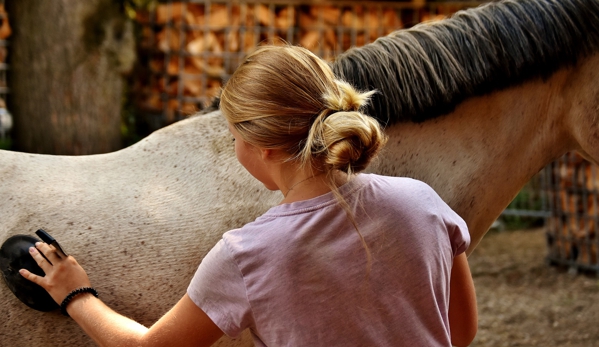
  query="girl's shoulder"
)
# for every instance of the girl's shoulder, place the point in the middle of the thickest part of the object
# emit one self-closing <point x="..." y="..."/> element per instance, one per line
<point x="393" y="185"/>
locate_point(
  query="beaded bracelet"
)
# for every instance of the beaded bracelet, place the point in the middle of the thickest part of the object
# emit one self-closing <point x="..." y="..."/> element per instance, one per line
<point x="68" y="298"/>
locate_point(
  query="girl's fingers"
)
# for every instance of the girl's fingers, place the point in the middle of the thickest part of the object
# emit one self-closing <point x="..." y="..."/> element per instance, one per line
<point x="31" y="276"/>
<point x="48" y="251"/>
<point x="60" y="276"/>
<point x="40" y="260"/>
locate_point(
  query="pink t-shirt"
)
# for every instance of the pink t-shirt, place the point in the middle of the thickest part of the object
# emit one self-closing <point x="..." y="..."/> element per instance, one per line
<point x="299" y="275"/>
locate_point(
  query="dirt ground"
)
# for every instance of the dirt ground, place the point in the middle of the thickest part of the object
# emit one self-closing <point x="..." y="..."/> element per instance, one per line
<point x="522" y="301"/>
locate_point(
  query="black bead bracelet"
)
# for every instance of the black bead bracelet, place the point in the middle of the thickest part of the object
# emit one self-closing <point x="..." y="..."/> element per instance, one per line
<point x="74" y="293"/>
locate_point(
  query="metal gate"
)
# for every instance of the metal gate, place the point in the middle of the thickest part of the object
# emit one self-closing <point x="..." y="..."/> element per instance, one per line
<point x="573" y="205"/>
<point x="563" y="198"/>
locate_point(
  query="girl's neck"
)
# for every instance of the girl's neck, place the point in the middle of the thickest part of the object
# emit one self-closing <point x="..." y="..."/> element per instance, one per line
<point x="304" y="187"/>
<point x="300" y="182"/>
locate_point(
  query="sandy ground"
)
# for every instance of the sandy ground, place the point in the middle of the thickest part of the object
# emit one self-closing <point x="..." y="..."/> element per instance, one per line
<point x="522" y="301"/>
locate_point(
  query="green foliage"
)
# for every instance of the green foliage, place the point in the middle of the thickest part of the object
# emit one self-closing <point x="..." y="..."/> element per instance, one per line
<point x="521" y="222"/>
<point x="133" y="126"/>
<point x="528" y="199"/>
<point x="132" y="6"/>
<point x="6" y="143"/>
<point x="131" y="131"/>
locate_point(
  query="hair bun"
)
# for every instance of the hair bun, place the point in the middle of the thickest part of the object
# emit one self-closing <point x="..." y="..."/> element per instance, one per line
<point x="352" y="140"/>
<point x="347" y="98"/>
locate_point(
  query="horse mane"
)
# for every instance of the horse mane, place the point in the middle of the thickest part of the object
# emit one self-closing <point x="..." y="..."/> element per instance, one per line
<point x="212" y="107"/>
<point x="427" y="70"/>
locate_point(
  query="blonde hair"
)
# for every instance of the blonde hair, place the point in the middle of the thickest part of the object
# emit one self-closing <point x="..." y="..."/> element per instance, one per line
<point x="287" y="98"/>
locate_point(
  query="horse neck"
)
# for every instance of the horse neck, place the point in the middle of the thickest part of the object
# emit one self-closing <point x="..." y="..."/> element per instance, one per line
<point x="581" y="92"/>
<point x="478" y="157"/>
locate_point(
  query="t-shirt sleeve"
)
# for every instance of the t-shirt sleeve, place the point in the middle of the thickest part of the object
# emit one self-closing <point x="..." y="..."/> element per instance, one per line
<point x="456" y="228"/>
<point x="219" y="290"/>
<point x="458" y="232"/>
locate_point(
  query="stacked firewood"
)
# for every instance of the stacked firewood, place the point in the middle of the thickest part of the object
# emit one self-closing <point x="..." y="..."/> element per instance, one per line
<point x="5" y="32"/>
<point x="194" y="47"/>
<point x="575" y="217"/>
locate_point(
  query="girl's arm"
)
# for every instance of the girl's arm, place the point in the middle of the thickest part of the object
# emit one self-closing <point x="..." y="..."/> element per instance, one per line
<point x="463" y="316"/>
<point x="184" y="325"/>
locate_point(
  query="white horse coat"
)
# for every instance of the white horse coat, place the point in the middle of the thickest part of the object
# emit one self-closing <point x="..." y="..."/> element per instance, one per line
<point x="140" y="220"/>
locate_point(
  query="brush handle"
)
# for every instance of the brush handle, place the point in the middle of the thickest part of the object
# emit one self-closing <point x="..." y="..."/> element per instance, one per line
<point x="47" y="238"/>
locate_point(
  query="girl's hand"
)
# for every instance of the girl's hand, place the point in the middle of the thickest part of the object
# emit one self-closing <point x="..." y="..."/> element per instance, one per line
<point x="63" y="275"/>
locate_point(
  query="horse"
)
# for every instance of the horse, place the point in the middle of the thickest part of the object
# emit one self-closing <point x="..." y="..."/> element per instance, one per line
<point x="474" y="105"/>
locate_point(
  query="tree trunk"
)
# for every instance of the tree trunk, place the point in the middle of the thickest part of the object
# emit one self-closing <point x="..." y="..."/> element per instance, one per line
<point x="67" y="58"/>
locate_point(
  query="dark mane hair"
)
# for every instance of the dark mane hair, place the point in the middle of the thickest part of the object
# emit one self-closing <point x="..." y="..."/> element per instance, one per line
<point x="425" y="71"/>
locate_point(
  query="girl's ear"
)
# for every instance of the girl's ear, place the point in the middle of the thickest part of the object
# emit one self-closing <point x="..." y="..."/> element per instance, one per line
<point x="274" y="155"/>
<point x="266" y="154"/>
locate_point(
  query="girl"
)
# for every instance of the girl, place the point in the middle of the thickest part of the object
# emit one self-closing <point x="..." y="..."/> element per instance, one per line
<point x="346" y="259"/>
